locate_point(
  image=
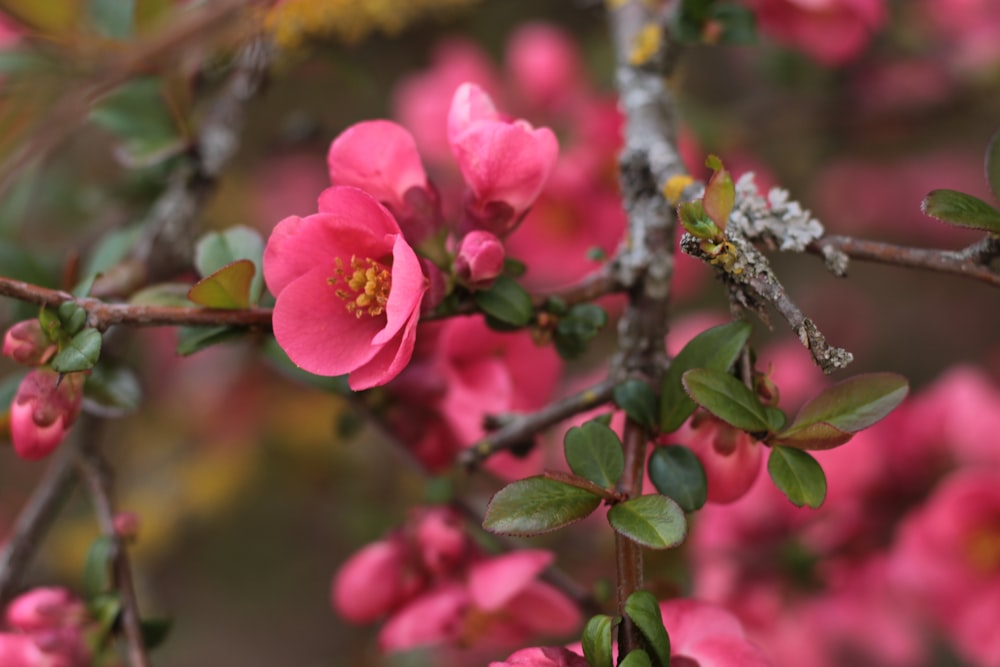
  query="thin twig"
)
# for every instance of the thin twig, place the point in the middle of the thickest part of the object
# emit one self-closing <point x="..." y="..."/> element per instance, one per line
<point x="36" y="517"/>
<point x="97" y="476"/>
<point x="971" y="262"/>
<point x="522" y="427"/>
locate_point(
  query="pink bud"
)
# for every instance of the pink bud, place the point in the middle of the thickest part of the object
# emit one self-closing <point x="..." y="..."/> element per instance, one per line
<point x="43" y="410"/>
<point x="26" y="343"/>
<point x="729" y="456"/>
<point x="46" y="608"/>
<point x="505" y="164"/>
<point x="126" y="525"/>
<point x="441" y="539"/>
<point x="479" y="259"/>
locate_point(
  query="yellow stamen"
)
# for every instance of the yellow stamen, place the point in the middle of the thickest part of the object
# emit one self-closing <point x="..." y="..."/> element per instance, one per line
<point x="368" y="285"/>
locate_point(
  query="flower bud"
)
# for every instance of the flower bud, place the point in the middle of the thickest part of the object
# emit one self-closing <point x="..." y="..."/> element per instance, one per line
<point x="26" y="343"/>
<point x="479" y="259"/>
<point x="45" y="608"/>
<point x="43" y="410"/>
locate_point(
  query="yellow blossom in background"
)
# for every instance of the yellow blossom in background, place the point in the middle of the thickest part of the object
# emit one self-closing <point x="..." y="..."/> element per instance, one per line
<point x="292" y="21"/>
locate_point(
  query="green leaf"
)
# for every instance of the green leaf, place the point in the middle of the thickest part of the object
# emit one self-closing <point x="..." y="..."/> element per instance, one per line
<point x="720" y="193"/>
<point x="195" y="339"/>
<point x="537" y="505"/>
<point x="229" y="287"/>
<point x="514" y="268"/>
<point x="638" y="401"/>
<point x="163" y="294"/>
<point x="716" y="348"/>
<point x="739" y="25"/>
<point x="798" y="475"/>
<point x="961" y="209"/>
<point x="506" y="301"/>
<point x="72" y="316"/>
<point x="644" y="610"/>
<point x="597" y="641"/>
<point x="594" y="452"/>
<point x="105" y="608"/>
<point x="852" y="404"/>
<point x="636" y="658"/>
<point x="676" y="472"/>
<point x="775" y="418"/>
<point x="111" y="391"/>
<point x="155" y="631"/>
<point x="137" y="113"/>
<point x="218" y="249"/>
<point x="653" y="521"/>
<point x="97" y="576"/>
<point x="112" y="18"/>
<point x="727" y="398"/>
<point x="696" y="222"/>
<point x="813" y="436"/>
<point x="111" y="249"/>
<point x="993" y="165"/>
<point x="80" y="354"/>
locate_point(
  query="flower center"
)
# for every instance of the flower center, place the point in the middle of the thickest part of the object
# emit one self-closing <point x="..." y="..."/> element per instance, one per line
<point x="364" y="286"/>
<point x="983" y="549"/>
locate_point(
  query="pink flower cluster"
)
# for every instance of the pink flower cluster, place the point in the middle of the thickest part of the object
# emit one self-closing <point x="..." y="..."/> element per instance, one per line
<point x="431" y="584"/>
<point x="46" y="403"/>
<point x="45" y="629"/>
<point x="349" y="285"/>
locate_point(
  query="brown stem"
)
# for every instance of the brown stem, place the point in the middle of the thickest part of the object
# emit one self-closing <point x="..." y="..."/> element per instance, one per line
<point x="36" y="517"/>
<point x="972" y="262"/>
<point x="628" y="554"/>
<point x="97" y="477"/>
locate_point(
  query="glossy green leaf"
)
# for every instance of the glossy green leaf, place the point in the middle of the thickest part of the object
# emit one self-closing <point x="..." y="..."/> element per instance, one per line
<point x="195" y="339"/>
<point x="644" y="610"/>
<point x="163" y="294"/>
<point x="636" y="658"/>
<point x="727" y="398"/>
<point x="676" y="472"/>
<point x="537" y="505"/>
<point x="720" y="193"/>
<point x="97" y="575"/>
<point x="819" y="435"/>
<point x="961" y="209"/>
<point x="80" y="353"/>
<point x="653" y="521"/>
<point x="717" y="348"/>
<point x="229" y="287"/>
<point x="72" y="316"/>
<point x="506" y="301"/>
<point x="112" y="18"/>
<point x="583" y="319"/>
<point x="111" y="391"/>
<point x="798" y="475"/>
<point x="597" y="641"/>
<point x="594" y="452"/>
<point x="218" y="249"/>
<point x="853" y="404"/>
<point x="993" y="165"/>
<point x="775" y="418"/>
<point x="638" y="401"/>
<point x="696" y="222"/>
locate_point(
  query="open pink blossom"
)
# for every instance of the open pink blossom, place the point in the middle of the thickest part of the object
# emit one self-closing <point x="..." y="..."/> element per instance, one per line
<point x="348" y="289"/>
<point x="704" y="635"/>
<point x="43" y="410"/>
<point x="381" y="158"/>
<point x="505" y="164"/>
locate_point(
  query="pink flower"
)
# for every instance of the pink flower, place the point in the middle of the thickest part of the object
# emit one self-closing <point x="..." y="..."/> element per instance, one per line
<point x="43" y="410"/>
<point x="834" y="32"/>
<point x="373" y="582"/>
<point x="544" y="63"/>
<point x="26" y="343"/>
<point x="971" y="28"/>
<point x="48" y="624"/>
<point x="479" y="259"/>
<point x="505" y="164"/>
<point x="546" y="656"/>
<point x="730" y="457"/>
<point x="704" y="635"/>
<point x="348" y="289"/>
<point x="45" y="608"/>
<point x="380" y="157"/>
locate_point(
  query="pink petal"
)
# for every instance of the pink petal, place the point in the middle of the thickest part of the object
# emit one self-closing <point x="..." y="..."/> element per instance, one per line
<point x="371" y="583"/>
<point x="408" y="287"/>
<point x="381" y="158"/>
<point x="313" y="326"/>
<point x="494" y="581"/>
<point x="388" y="362"/>
<point x="545" y="610"/>
<point x="689" y="621"/>
<point x="469" y="104"/>
<point x="432" y="618"/>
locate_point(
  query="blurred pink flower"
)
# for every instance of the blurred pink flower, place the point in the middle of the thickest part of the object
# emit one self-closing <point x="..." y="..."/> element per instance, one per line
<point x="47" y="625"/>
<point x="730" y="457"/>
<point x="45" y="608"/>
<point x="380" y="157"/>
<point x="544" y="67"/>
<point x="505" y="164"/>
<point x="26" y="343"/>
<point x="44" y="408"/>
<point x="348" y="289"/>
<point x="970" y="29"/>
<point x="546" y="656"/>
<point x="834" y="32"/>
<point x="705" y="635"/>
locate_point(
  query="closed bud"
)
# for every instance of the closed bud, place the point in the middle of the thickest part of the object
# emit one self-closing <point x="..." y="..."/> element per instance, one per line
<point x="479" y="259"/>
<point x="26" y="343"/>
<point x="43" y="410"/>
